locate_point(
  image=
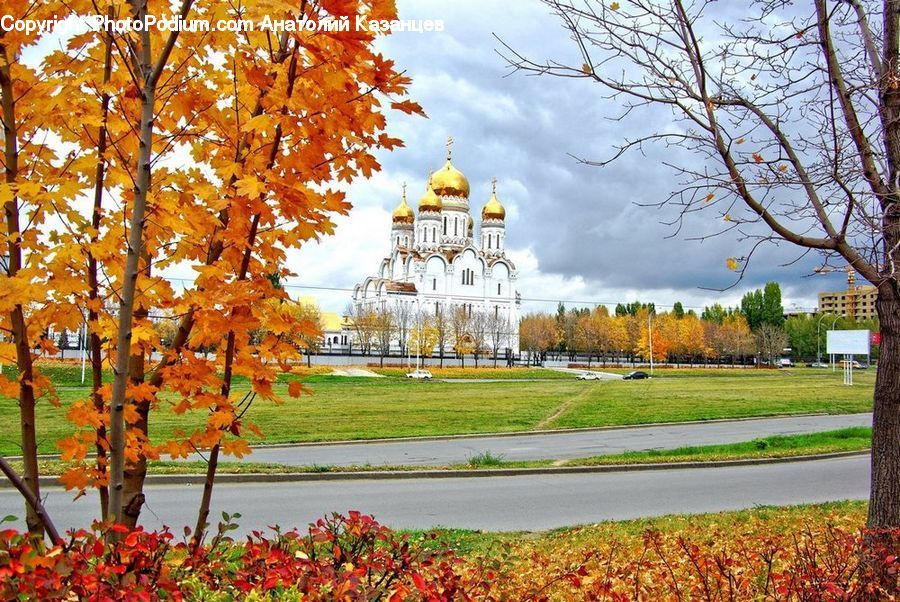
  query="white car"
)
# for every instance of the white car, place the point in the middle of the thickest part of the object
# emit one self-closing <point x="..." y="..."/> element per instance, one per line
<point x="424" y="374"/>
<point x="589" y="376"/>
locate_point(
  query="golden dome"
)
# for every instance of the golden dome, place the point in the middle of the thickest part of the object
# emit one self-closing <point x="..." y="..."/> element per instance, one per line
<point x="449" y="181"/>
<point x="430" y="201"/>
<point x="493" y="209"/>
<point x="403" y="214"/>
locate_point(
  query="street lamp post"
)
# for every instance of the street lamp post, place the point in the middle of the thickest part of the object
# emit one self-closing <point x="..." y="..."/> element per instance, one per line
<point x="833" y="367"/>
<point x="819" y="339"/>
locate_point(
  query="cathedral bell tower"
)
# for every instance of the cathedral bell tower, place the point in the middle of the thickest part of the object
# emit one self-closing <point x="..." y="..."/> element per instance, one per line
<point x="402" y="220"/>
<point x="493" y="226"/>
<point x="428" y="226"/>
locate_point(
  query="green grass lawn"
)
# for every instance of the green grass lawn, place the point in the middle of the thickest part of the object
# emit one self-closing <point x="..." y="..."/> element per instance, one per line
<point x="360" y="408"/>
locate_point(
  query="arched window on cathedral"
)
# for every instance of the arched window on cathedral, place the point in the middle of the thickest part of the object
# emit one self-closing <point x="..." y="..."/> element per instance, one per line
<point x="468" y="277"/>
<point x="445" y="225"/>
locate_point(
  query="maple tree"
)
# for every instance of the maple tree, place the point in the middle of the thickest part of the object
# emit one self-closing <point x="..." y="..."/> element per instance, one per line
<point x="786" y="124"/>
<point x="37" y="183"/>
<point x="207" y="148"/>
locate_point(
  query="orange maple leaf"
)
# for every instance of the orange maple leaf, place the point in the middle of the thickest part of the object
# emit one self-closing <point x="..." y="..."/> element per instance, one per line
<point x="295" y="388"/>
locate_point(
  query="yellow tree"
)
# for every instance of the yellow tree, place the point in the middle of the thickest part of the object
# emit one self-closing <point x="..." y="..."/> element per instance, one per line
<point x="36" y="192"/>
<point x="538" y="334"/>
<point x="618" y="336"/>
<point x="269" y="122"/>
<point x="692" y="337"/>
<point x="737" y="338"/>
<point x="423" y="337"/>
<point x="658" y="332"/>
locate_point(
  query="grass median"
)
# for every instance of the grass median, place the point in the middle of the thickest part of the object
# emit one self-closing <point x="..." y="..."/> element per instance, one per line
<point x="786" y="446"/>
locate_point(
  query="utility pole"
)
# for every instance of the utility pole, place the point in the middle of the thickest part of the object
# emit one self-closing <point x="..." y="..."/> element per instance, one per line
<point x="650" y="336"/>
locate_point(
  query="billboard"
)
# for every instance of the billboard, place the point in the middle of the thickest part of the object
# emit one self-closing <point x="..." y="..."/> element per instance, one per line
<point x="849" y="342"/>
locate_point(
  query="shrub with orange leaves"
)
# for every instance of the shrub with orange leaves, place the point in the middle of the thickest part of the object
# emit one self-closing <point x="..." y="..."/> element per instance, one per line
<point x="355" y="558"/>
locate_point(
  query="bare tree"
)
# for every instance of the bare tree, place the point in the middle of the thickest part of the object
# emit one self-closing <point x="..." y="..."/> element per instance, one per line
<point x="479" y="326"/>
<point x="383" y="322"/>
<point x="441" y="324"/>
<point x="786" y="122"/>
<point x="771" y="341"/>
<point x="461" y="323"/>
<point x="498" y="327"/>
<point x="364" y="324"/>
<point x="403" y="322"/>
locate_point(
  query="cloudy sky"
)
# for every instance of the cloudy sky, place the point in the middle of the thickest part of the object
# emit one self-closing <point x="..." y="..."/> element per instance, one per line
<point x="577" y="234"/>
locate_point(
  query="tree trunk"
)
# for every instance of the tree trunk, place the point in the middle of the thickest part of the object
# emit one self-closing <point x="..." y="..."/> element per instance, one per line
<point x="94" y="282"/>
<point x="129" y="279"/>
<point x="884" y="502"/>
<point x="136" y="473"/>
<point x="24" y="359"/>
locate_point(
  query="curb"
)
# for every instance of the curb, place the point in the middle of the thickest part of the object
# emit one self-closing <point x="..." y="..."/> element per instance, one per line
<point x="199" y="479"/>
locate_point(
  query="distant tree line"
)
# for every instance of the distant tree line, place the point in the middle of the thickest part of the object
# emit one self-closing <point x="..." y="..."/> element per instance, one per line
<point x="755" y="328"/>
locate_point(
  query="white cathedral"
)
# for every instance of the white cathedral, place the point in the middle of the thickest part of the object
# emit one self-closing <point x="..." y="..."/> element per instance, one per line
<point x="436" y="261"/>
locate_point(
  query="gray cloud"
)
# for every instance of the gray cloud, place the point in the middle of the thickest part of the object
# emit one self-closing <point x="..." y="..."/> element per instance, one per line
<point x="580" y="223"/>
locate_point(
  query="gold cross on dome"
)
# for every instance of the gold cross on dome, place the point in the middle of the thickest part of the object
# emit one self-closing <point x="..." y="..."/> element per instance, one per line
<point x="449" y="147"/>
<point x="494" y="185"/>
<point x="404" y="191"/>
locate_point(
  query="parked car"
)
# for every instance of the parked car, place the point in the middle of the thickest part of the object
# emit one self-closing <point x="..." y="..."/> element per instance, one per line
<point x="636" y="375"/>
<point x="856" y="365"/>
<point x="423" y="374"/>
<point x="818" y="365"/>
<point x="588" y="376"/>
<point x="785" y="362"/>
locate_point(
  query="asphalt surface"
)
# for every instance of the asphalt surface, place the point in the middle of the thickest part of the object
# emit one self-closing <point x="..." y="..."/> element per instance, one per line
<point x="491" y="503"/>
<point x="561" y="446"/>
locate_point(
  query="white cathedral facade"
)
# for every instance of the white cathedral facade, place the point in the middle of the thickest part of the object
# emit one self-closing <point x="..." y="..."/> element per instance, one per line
<point x="438" y="261"/>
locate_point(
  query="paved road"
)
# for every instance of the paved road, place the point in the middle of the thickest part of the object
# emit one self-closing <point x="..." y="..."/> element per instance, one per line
<point x="494" y="503"/>
<point x="579" y="444"/>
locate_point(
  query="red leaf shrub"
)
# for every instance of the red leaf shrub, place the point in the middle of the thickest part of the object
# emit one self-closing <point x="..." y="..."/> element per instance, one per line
<point x="355" y="558"/>
<point x="347" y="558"/>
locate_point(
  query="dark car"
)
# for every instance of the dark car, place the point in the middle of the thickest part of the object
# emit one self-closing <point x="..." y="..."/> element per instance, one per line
<point x="636" y="375"/>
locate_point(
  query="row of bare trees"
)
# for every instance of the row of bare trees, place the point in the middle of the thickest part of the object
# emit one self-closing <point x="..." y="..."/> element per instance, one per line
<point x="401" y="327"/>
